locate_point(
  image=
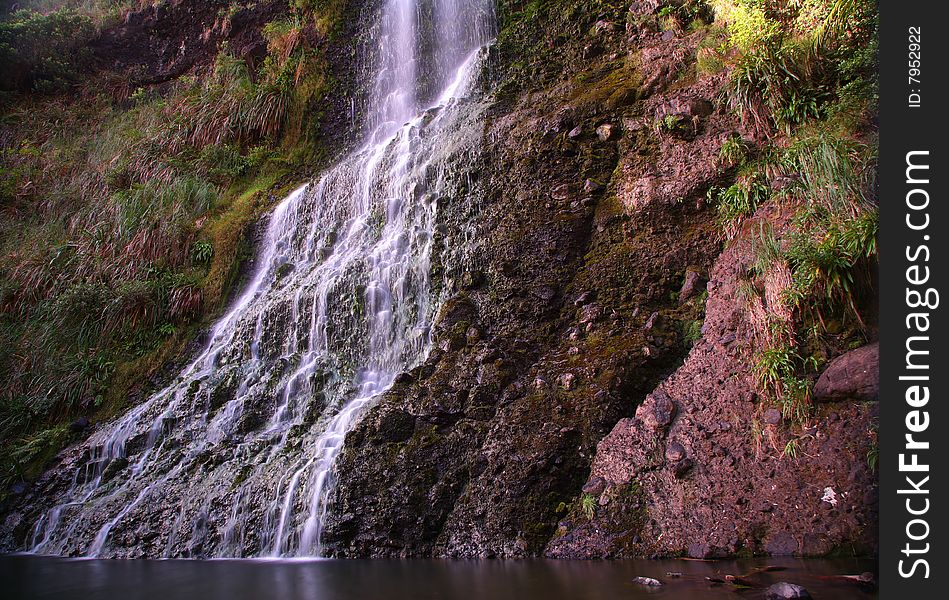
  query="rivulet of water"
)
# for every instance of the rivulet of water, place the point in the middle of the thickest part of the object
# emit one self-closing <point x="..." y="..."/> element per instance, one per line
<point x="235" y="457"/>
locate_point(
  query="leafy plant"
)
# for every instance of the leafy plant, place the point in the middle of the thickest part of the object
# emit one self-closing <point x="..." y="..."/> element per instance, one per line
<point x="777" y="371"/>
<point x="202" y="252"/>
<point x="791" y="449"/>
<point x="691" y="332"/>
<point x="738" y="201"/>
<point x="734" y="151"/>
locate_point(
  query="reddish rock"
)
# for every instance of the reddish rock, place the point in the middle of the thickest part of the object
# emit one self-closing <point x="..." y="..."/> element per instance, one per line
<point x="853" y="376"/>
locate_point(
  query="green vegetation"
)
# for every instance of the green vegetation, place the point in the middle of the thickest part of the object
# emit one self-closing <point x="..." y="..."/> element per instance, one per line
<point x="124" y="210"/>
<point x="803" y="78"/>
<point x="738" y="201"/>
<point x="588" y="506"/>
<point x="43" y="53"/>
<point x="691" y="332"/>
<point x="873" y="454"/>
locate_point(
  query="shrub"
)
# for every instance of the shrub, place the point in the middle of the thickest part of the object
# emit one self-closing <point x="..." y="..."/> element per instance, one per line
<point x="43" y="53"/>
<point x="734" y="152"/>
<point x="777" y="371"/>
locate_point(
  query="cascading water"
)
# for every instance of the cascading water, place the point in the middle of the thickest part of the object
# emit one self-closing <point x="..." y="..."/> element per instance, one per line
<point x="235" y="457"/>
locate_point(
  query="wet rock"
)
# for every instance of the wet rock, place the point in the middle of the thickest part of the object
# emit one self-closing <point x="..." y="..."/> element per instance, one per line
<point x="772" y="416"/>
<point x="79" y="425"/>
<point x="472" y="280"/>
<point x="575" y="133"/>
<point x="852" y="376"/>
<point x="455" y="310"/>
<point x="604" y="132"/>
<point x="647" y="581"/>
<point x="691" y="285"/>
<point x="785" y="591"/>
<point x="396" y="426"/>
<point x="675" y="452"/>
<point x="595" y="486"/>
<point x="114" y="467"/>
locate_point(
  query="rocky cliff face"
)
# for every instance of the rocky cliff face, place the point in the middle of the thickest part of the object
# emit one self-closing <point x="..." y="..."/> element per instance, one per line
<point x="702" y="470"/>
<point x="597" y="248"/>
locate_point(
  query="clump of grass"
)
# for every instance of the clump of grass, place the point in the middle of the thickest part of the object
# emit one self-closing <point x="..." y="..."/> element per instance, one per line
<point x="777" y="371"/>
<point x="734" y="152"/>
<point x="738" y="202"/>
<point x="873" y="454"/>
<point x="668" y="124"/>
<point x="791" y="449"/>
<point x="588" y="506"/>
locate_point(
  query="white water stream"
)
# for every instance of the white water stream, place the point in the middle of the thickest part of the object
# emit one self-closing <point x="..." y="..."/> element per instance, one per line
<point x="235" y="457"/>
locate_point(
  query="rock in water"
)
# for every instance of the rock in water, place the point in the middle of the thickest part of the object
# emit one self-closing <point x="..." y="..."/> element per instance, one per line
<point x="647" y="581"/>
<point x="785" y="591"/>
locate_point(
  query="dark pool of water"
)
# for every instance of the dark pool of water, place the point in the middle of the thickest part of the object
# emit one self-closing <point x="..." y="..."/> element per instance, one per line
<point x="40" y="577"/>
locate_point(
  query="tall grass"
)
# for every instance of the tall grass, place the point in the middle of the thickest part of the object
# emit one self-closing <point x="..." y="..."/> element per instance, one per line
<point x="803" y="81"/>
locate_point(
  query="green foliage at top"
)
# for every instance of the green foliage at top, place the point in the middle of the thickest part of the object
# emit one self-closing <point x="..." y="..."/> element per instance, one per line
<point x="43" y="53"/>
<point x="793" y="60"/>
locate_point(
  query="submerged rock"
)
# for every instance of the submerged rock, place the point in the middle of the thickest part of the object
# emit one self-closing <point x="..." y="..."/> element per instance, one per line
<point x="786" y="591"/>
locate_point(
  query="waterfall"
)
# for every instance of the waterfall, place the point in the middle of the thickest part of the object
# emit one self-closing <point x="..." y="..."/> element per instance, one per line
<point x="235" y="456"/>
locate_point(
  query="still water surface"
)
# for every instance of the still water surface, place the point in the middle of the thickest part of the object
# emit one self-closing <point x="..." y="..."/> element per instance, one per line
<point x="47" y="578"/>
